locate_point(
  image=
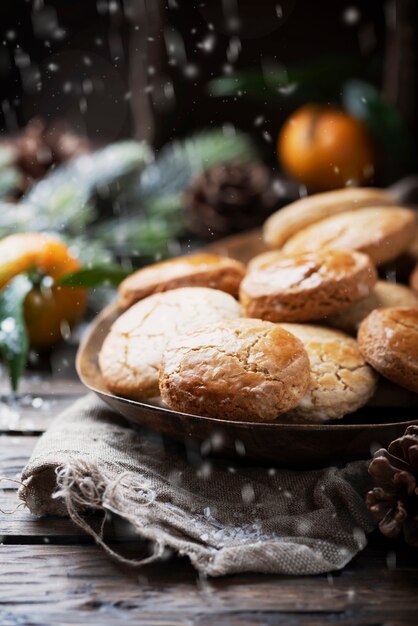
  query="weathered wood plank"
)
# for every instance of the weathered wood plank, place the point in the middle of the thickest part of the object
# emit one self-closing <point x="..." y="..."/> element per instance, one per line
<point x="14" y="454"/>
<point x="46" y="384"/>
<point x="110" y="617"/>
<point x="32" y="413"/>
<point x="21" y="523"/>
<point x="79" y="584"/>
<point x="43" y="383"/>
<point x="55" y="368"/>
<point x="348" y="618"/>
<point x="120" y="613"/>
<point x="19" y="526"/>
<point x="44" y="583"/>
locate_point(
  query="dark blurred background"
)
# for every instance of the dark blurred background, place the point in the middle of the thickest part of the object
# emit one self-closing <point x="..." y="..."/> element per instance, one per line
<point x="244" y="105"/>
<point x="118" y="68"/>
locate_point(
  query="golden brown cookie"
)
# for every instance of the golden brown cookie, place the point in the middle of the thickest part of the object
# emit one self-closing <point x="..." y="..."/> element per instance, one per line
<point x="412" y="251"/>
<point x="384" y="294"/>
<point x="414" y="279"/>
<point x="245" y="370"/>
<point x="382" y="233"/>
<point x="195" y="270"/>
<point x="388" y="340"/>
<point x="341" y="380"/>
<point x="264" y="257"/>
<point x="131" y="353"/>
<point x="304" y="287"/>
<point x="291" y="219"/>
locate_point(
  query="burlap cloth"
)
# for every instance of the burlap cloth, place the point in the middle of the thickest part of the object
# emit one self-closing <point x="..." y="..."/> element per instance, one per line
<point x="225" y="517"/>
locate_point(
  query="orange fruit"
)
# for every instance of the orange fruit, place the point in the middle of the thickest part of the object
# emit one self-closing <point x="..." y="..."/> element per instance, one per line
<point x="49" y="310"/>
<point x="50" y="313"/>
<point x="325" y="148"/>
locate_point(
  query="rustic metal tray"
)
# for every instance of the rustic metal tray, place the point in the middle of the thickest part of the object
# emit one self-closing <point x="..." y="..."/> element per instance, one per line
<point x="280" y="444"/>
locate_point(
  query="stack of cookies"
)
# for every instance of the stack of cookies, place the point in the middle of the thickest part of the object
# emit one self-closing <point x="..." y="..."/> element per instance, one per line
<point x="302" y="334"/>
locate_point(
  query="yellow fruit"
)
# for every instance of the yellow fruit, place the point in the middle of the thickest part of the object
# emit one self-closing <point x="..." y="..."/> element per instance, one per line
<point x="325" y="148"/>
<point x="49" y="310"/>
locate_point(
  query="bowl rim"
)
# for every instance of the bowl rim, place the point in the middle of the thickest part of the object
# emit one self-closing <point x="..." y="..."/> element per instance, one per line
<point x="91" y="344"/>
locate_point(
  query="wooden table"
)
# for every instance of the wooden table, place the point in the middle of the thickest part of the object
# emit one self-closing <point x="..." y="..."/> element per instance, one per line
<point x="53" y="574"/>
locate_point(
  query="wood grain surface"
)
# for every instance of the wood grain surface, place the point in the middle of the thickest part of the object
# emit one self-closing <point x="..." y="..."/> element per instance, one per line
<point x="50" y="573"/>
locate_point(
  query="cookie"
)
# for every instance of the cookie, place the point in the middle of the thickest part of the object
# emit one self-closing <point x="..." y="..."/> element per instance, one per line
<point x="414" y="280"/>
<point x="341" y="380"/>
<point x="195" y="270"/>
<point x="290" y="219"/>
<point x="388" y="340"/>
<point x="304" y="287"/>
<point x="264" y="257"/>
<point x="245" y="370"/>
<point x="382" y="233"/>
<point x="131" y="353"/>
<point x="384" y="294"/>
<point x="412" y="251"/>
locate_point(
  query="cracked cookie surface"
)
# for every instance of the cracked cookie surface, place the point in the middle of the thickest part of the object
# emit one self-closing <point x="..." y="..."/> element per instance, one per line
<point x="414" y="279"/>
<point x="194" y="270"/>
<point x="131" y="353"/>
<point x="305" y="287"/>
<point x="382" y="233"/>
<point x="388" y="340"/>
<point x="244" y="369"/>
<point x="341" y="380"/>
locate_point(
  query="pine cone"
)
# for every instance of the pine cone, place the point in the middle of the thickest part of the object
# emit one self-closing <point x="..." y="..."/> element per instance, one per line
<point x="394" y="499"/>
<point x="64" y="143"/>
<point x="39" y="146"/>
<point x="229" y="198"/>
<point x="33" y="155"/>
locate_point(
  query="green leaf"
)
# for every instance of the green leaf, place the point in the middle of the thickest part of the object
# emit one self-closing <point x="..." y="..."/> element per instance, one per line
<point x="179" y="161"/>
<point x="317" y="81"/>
<point x="141" y="235"/>
<point x="89" y="251"/>
<point x="14" y="343"/>
<point x="95" y="276"/>
<point x="151" y="216"/>
<point x="10" y="179"/>
<point x="166" y="207"/>
<point x="66" y="200"/>
<point x="7" y="156"/>
<point x="115" y="167"/>
<point x="363" y="100"/>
